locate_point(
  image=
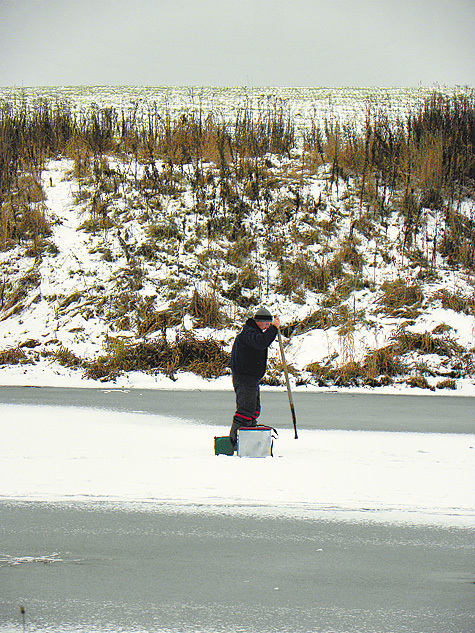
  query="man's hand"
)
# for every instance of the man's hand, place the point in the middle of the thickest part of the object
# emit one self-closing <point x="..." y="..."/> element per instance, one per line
<point x="276" y="322"/>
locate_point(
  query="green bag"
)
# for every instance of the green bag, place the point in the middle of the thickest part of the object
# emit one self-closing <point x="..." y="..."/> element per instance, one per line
<point x="223" y="446"/>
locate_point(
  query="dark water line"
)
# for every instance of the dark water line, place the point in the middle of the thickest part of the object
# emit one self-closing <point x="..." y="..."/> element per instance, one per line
<point x="345" y="411"/>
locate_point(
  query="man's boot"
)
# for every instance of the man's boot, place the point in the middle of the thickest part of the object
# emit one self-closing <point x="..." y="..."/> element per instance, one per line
<point x="238" y="421"/>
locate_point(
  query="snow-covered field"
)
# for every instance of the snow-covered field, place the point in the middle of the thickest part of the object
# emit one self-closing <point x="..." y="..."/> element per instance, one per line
<point x="304" y="104"/>
<point x="57" y="454"/>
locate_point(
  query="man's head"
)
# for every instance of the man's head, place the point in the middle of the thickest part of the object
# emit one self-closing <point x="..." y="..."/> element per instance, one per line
<point x="263" y="318"/>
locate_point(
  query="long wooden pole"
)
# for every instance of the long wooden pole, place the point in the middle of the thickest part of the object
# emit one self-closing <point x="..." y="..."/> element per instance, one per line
<point x="287" y="382"/>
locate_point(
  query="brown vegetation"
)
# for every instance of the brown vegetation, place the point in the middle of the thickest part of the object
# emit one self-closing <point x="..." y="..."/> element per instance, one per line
<point x="203" y="357"/>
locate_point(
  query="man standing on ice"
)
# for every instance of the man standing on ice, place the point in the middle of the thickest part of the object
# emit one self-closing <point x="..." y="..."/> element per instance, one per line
<point x="248" y="365"/>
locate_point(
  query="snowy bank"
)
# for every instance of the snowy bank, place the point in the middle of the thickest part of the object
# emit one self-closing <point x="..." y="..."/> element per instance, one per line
<point x="46" y="373"/>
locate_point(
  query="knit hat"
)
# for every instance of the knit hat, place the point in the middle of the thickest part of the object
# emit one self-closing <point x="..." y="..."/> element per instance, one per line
<point x="263" y="315"/>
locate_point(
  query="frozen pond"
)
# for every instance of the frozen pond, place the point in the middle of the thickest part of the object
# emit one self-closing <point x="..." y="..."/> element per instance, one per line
<point x="95" y="568"/>
<point x="352" y="412"/>
<point x="116" y="516"/>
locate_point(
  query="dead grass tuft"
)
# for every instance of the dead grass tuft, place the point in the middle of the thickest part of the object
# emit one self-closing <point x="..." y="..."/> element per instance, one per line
<point x="383" y="361"/>
<point x="350" y="254"/>
<point x="348" y="375"/>
<point x="298" y="272"/>
<point x="455" y="301"/>
<point x="420" y="382"/>
<point x="205" y="309"/>
<point x="203" y="357"/>
<point x="24" y="285"/>
<point x="154" y="321"/>
<point x="67" y="358"/>
<point x="425" y="343"/>
<point x="448" y="383"/>
<point x="399" y="299"/>
<point x="13" y="356"/>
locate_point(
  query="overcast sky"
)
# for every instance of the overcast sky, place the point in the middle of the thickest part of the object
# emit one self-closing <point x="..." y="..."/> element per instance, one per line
<point x="328" y="43"/>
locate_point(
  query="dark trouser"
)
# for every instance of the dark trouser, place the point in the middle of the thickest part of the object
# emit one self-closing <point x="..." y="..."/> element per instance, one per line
<point x="248" y="403"/>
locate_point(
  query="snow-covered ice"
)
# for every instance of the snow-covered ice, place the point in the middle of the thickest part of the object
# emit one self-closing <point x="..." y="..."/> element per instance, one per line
<point x="57" y="454"/>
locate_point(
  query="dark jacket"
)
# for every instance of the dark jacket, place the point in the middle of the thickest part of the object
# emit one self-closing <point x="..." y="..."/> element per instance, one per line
<point x="249" y="353"/>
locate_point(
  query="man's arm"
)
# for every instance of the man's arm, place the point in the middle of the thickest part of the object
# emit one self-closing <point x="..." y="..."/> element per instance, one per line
<point x="261" y="340"/>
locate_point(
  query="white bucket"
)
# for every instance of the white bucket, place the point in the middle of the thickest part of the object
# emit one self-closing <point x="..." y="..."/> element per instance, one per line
<point x="254" y="441"/>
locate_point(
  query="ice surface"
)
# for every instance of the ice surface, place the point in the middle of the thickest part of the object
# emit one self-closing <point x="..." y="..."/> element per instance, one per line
<point x="62" y="454"/>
